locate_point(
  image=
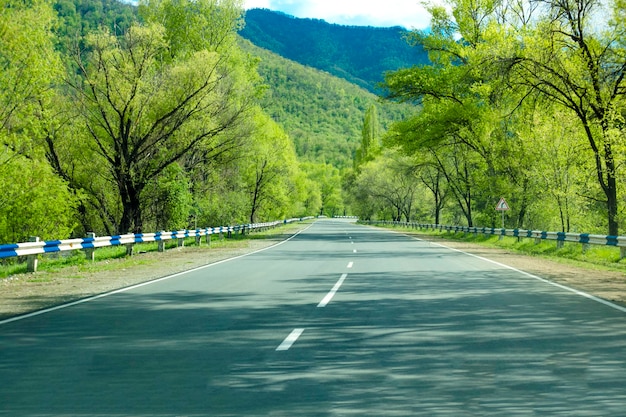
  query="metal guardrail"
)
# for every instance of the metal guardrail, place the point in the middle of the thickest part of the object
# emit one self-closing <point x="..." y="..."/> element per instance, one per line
<point x="539" y="236"/>
<point x="92" y="242"/>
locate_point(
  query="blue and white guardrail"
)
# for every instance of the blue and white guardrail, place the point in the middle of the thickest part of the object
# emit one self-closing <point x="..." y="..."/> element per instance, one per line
<point x="87" y="243"/>
<point x="538" y="235"/>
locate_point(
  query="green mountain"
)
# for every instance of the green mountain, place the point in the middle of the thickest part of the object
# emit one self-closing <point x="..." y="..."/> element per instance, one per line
<point x="358" y="54"/>
<point x="323" y="114"/>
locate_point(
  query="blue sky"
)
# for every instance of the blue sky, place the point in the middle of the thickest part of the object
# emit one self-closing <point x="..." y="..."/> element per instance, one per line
<point x="407" y="13"/>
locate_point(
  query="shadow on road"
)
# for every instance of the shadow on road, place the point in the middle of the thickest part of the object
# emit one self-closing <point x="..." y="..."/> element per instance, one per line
<point x="424" y="343"/>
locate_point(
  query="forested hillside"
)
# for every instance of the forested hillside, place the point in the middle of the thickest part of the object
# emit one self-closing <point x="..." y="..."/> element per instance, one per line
<point x="360" y="55"/>
<point x="322" y="114"/>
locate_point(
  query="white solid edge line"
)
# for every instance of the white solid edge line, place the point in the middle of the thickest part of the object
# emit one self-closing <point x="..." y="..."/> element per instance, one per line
<point x="290" y="340"/>
<point x="332" y="292"/>
<point x="555" y="284"/>
<point x="132" y="287"/>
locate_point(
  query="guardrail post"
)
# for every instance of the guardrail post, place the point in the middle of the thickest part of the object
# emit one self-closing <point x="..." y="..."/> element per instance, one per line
<point x="32" y="260"/>
<point x="622" y="252"/>
<point x="198" y="238"/>
<point x="161" y="243"/>
<point x="130" y="249"/>
<point x="90" y="253"/>
<point x="208" y="238"/>
<point x="181" y="242"/>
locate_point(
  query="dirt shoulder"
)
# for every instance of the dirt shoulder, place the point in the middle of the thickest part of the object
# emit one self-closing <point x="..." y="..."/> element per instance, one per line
<point x="25" y="293"/>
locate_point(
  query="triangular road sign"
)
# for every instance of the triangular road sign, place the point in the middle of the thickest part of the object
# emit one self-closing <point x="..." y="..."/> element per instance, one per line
<point x="502" y="205"/>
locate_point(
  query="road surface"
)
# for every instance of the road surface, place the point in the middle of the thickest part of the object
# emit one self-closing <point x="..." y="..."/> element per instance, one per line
<point x="340" y="320"/>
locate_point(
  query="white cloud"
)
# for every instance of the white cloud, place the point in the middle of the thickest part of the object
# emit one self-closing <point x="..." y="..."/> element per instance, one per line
<point x="407" y="13"/>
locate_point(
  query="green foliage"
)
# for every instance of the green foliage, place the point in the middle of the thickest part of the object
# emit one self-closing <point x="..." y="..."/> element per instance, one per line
<point x="268" y="176"/>
<point x="168" y="200"/>
<point x="328" y="181"/>
<point x="360" y="55"/>
<point x="506" y="111"/>
<point x="80" y="17"/>
<point x="387" y="188"/>
<point x="197" y="25"/>
<point x="34" y="201"/>
<point x="28" y="67"/>
<point x="370" y="138"/>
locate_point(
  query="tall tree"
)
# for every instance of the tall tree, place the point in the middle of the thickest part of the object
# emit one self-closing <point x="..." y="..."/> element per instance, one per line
<point x="370" y="137"/>
<point x="568" y="57"/>
<point x="147" y="101"/>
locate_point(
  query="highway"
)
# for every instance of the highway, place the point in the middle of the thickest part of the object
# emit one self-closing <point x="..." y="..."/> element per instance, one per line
<point x="341" y="320"/>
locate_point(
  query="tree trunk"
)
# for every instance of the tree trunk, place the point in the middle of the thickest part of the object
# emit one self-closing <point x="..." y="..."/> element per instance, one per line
<point x="131" y="221"/>
<point x="605" y="172"/>
<point x="611" y="190"/>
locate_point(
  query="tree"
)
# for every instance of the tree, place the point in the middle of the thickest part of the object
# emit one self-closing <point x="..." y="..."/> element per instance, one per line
<point x="389" y="186"/>
<point x="433" y="177"/>
<point x="370" y="137"/>
<point x="460" y="104"/>
<point x="562" y="172"/>
<point x="511" y="60"/>
<point x="143" y="112"/>
<point x="34" y="201"/>
<point x="271" y="167"/>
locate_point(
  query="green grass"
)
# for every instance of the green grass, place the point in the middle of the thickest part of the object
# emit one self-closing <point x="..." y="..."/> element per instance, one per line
<point x="594" y="256"/>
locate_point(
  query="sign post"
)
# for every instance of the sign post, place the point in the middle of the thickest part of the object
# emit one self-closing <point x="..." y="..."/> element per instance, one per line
<point x="502" y="206"/>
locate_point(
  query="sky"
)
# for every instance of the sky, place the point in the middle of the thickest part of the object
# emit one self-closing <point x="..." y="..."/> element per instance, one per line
<point x="381" y="13"/>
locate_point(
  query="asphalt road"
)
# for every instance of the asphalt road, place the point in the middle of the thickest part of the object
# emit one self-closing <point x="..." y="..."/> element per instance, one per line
<point x="341" y="320"/>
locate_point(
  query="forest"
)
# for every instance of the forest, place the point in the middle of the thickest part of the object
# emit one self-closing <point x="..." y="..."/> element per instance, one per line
<point x="522" y="100"/>
<point x="116" y="119"/>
